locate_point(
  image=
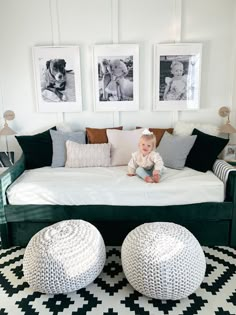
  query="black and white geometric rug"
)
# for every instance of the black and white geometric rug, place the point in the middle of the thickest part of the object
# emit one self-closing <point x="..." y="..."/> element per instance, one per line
<point x="110" y="293"/>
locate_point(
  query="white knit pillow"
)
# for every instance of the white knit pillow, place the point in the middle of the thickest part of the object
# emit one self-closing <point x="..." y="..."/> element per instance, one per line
<point x="87" y="155"/>
<point x="183" y="128"/>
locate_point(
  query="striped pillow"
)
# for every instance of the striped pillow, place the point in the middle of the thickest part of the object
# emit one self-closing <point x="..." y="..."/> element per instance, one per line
<point x="222" y="169"/>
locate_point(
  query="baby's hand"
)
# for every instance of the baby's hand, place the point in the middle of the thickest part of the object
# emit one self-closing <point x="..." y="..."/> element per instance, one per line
<point x="156" y="176"/>
<point x="131" y="174"/>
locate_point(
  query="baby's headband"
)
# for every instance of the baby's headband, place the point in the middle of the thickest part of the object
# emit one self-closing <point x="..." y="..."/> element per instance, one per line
<point x="147" y="132"/>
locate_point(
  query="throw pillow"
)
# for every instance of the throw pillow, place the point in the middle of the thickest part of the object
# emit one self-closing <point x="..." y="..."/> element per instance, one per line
<point x="159" y="132"/>
<point x="37" y="149"/>
<point x="87" y="155"/>
<point x="59" y="139"/>
<point x="95" y="135"/>
<point x="186" y="128"/>
<point x="174" y="150"/>
<point x="205" y="151"/>
<point x="62" y="126"/>
<point x="123" y="144"/>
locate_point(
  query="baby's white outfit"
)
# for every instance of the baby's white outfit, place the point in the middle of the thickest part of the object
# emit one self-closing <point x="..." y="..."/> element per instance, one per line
<point x="149" y="162"/>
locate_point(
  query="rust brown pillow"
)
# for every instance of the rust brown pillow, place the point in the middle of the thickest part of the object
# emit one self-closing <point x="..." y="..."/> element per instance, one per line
<point x="98" y="135"/>
<point x="159" y="132"/>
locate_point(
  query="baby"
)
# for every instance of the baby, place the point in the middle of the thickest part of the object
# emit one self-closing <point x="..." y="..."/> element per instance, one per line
<point x="118" y="73"/>
<point x="176" y="86"/>
<point x="146" y="163"/>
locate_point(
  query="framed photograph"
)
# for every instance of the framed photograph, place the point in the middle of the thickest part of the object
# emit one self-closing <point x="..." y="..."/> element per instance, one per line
<point x="177" y="76"/>
<point x="116" y="77"/>
<point x="57" y="78"/>
<point x="229" y="153"/>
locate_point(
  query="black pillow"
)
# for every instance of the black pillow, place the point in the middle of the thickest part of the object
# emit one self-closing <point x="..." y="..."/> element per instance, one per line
<point x="204" y="151"/>
<point x="37" y="149"/>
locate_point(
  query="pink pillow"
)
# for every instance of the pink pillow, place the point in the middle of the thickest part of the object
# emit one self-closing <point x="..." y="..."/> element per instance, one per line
<point x="123" y="144"/>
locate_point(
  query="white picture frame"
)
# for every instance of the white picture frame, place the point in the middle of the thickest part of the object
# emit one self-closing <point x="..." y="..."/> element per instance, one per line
<point x="177" y="76"/>
<point x="57" y="83"/>
<point x="229" y="153"/>
<point x="116" y="77"/>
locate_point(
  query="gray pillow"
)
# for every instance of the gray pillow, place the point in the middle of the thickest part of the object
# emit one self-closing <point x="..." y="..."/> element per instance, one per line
<point x="59" y="139"/>
<point x="175" y="149"/>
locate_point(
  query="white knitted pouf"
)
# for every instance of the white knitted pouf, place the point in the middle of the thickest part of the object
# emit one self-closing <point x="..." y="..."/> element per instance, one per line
<point x="163" y="260"/>
<point x="64" y="257"/>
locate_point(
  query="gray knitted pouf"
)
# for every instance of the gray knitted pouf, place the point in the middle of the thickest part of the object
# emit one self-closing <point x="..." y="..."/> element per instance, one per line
<point x="163" y="260"/>
<point x="64" y="257"/>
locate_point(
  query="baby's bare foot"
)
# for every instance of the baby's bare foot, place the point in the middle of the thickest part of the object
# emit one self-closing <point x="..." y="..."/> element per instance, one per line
<point x="148" y="179"/>
<point x="156" y="178"/>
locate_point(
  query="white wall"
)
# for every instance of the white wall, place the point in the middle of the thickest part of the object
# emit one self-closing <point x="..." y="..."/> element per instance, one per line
<point x="28" y="23"/>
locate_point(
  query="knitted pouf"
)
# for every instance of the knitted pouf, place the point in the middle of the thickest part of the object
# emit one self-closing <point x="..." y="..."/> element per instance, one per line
<point x="64" y="257"/>
<point x="163" y="260"/>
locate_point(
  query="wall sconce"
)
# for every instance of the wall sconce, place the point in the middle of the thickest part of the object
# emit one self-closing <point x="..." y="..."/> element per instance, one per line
<point x="227" y="127"/>
<point x="7" y="131"/>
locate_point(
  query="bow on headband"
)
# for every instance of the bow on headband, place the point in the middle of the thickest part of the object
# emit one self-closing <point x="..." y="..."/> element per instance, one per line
<point x="147" y="132"/>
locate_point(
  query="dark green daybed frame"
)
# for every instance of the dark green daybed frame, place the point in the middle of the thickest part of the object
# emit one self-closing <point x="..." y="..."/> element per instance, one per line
<point x="213" y="223"/>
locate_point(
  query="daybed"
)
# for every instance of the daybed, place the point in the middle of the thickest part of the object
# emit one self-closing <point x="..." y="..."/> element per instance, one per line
<point x="213" y="223"/>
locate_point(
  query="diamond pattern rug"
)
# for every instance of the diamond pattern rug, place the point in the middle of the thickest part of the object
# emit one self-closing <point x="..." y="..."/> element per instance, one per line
<point x="111" y="294"/>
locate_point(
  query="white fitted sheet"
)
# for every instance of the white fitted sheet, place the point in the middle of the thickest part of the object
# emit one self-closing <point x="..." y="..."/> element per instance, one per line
<point x="111" y="186"/>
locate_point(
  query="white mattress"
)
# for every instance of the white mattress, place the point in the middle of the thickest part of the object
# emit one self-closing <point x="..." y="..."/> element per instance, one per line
<point x="111" y="186"/>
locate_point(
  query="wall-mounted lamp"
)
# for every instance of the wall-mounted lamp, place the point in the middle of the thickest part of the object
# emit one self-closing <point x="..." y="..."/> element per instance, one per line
<point x="227" y="127"/>
<point x="7" y="131"/>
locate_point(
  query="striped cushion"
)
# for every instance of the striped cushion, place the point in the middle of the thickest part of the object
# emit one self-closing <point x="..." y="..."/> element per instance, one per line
<point x="222" y="169"/>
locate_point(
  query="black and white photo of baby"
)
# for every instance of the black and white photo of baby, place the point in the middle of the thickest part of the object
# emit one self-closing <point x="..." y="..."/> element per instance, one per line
<point x="115" y="75"/>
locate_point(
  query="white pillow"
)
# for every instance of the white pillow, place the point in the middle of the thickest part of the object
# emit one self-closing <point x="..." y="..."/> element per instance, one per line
<point x="63" y="127"/>
<point x="183" y="128"/>
<point x="87" y="155"/>
<point x="123" y="144"/>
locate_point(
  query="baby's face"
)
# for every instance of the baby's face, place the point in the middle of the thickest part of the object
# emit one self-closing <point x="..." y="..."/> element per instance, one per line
<point x="177" y="70"/>
<point x="116" y="67"/>
<point x="145" y="146"/>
